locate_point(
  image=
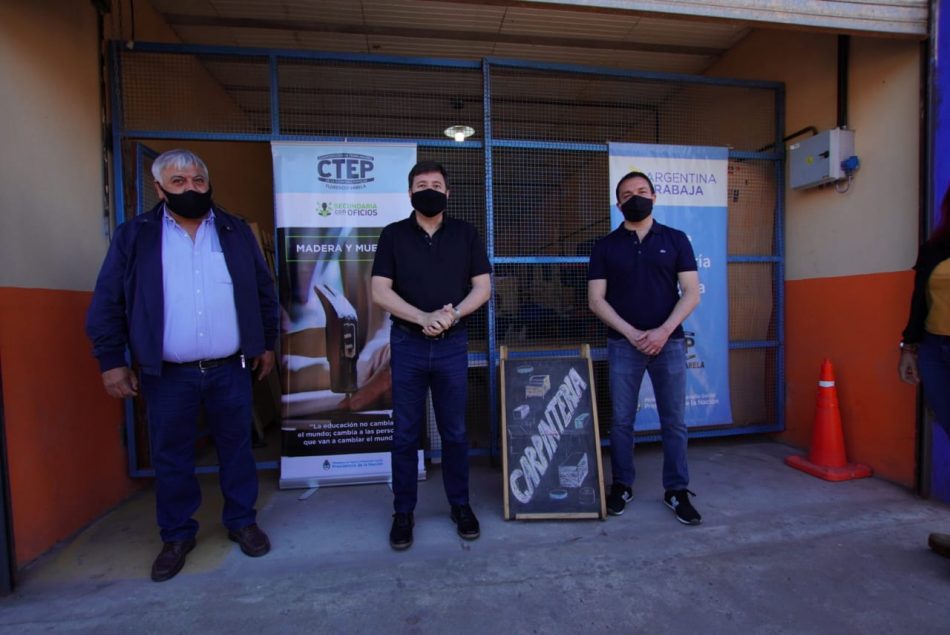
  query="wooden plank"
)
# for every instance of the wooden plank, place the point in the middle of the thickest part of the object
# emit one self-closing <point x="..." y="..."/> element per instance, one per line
<point x="426" y="33"/>
<point x="891" y="17"/>
<point x="556" y="516"/>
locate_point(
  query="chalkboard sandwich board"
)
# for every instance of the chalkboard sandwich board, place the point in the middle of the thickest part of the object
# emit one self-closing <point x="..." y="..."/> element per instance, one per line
<point x="550" y="435"/>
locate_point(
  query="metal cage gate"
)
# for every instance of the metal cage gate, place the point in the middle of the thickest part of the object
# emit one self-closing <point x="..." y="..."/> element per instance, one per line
<point x="533" y="178"/>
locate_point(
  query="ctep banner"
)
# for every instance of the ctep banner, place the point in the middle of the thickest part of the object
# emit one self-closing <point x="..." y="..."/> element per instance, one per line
<point x="332" y="200"/>
<point x="691" y="195"/>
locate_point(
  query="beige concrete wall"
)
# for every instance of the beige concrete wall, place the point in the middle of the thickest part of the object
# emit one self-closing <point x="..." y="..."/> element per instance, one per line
<point x="847" y="255"/>
<point x="51" y="172"/>
<point x="51" y="211"/>
<point x="873" y="227"/>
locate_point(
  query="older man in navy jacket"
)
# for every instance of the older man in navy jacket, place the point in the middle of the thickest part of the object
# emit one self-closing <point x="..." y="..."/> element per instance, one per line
<point x="186" y="288"/>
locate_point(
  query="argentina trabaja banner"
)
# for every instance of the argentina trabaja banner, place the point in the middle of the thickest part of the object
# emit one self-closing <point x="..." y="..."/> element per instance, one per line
<point x="332" y="201"/>
<point x="691" y="195"/>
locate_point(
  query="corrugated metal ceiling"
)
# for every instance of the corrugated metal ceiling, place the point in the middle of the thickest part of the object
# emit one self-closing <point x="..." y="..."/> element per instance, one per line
<point x="457" y="29"/>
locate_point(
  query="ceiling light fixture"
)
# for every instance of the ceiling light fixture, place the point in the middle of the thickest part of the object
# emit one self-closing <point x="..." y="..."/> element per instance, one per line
<point x="459" y="133"/>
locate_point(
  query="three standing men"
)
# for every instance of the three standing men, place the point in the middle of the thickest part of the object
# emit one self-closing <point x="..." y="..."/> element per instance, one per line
<point x="186" y="288"/>
<point x="632" y="287"/>
<point x="431" y="271"/>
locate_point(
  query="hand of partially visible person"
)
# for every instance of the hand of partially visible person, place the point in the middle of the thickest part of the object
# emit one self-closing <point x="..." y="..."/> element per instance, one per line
<point x="263" y="364"/>
<point x="907" y="367"/>
<point x="121" y="382"/>
<point x="652" y="342"/>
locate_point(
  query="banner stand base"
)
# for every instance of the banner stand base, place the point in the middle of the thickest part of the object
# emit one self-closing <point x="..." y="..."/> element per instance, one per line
<point x="313" y="483"/>
<point x="310" y="492"/>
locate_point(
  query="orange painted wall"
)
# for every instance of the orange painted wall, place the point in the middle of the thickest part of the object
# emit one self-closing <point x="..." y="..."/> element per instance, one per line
<point x="64" y="435"/>
<point x="856" y="322"/>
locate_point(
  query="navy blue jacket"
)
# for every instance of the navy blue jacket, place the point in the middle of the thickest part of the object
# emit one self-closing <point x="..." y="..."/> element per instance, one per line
<point x="128" y="305"/>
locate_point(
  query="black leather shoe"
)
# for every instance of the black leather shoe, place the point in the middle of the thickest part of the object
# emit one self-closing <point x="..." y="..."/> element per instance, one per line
<point x="464" y="517"/>
<point x="171" y="559"/>
<point x="254" y="542"/>
<point x="940" y="543"/>
<point x="400" y="536"/>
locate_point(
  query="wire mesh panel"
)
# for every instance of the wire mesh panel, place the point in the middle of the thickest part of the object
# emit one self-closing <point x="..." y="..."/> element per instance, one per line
<point x="195" y="93"/>
<point x="549" y="202"/>
<point x="563" y="106"/>
<point x="751" y="302"/>
<point x="148" y="197"/>
<point x="752" y="200"/>
<point x="477" y="414"/>
<point x="359" y="99"/>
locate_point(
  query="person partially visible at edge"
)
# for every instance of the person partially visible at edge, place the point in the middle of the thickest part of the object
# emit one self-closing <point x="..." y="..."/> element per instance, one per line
<point x="925" y="345"/>
<point x="431" y="271"/>
<point x="185" y="287"/>
<point x="642" y="283"/>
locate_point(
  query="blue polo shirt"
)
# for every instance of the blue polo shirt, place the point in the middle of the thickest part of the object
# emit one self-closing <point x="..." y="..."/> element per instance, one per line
<point x="429" y="272"/>
<point x="642" y="284"/>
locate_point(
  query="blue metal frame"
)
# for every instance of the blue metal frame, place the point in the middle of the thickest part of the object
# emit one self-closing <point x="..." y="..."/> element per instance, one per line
<point x="490" y="248"/>
<point x="779" y="249"/>
<point x="489" y="142"/>
<point x="142" y="152"/>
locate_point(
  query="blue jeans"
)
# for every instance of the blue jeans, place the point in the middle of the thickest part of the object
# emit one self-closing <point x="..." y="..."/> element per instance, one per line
<point x="174" y="400"/>
<point x="418" y="365"/>
<point x="933" y="364"/>
<point x="668" y="375"/>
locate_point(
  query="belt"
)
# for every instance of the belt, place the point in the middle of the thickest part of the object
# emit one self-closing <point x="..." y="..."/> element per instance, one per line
<point x="205" y="364"/>
<point x="415" y="331"/>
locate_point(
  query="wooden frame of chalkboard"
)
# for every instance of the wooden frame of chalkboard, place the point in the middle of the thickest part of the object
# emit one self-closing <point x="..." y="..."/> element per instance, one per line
<point x="550" y="435"/>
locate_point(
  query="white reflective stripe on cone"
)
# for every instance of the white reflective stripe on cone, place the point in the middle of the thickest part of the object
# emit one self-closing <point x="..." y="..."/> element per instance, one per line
<point x="826" y="384"/>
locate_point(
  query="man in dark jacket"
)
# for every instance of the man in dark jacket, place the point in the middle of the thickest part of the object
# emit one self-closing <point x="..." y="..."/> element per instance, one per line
<point x="186" y="289"/>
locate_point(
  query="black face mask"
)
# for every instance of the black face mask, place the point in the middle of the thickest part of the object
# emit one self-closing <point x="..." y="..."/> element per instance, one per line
<point x="188" y="204"/>
<point x="636" y="208"/>
<point x="429" y="203"/>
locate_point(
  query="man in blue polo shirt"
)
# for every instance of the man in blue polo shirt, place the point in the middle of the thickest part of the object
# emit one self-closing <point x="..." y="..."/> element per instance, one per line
<point x="642" y="283"/>
<point x="430" y="272"/>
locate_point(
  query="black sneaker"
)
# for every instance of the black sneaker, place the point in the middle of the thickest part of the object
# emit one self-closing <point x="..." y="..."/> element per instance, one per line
<point x="400" y="536"/>
<point x="464" y="517"/>
<point x="678" y="501"/>
<point x="619" y="496"/>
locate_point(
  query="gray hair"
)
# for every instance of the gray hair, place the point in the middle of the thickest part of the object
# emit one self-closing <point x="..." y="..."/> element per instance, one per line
<point x="177" y="158"/>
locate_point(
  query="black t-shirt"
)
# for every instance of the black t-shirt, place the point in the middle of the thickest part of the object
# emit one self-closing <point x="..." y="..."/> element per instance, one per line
<point x="642" y="277"/>
<point x="429" y="272"/>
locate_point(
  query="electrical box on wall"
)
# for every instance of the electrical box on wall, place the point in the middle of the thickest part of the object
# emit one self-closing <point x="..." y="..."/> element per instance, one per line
<point x="817" y="160"/>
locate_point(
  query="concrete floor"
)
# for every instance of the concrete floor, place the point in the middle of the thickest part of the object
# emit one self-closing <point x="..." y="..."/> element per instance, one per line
<point x="779" y="552"/>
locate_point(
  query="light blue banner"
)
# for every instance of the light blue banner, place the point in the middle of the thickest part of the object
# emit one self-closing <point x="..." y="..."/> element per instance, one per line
<point x="691" y="189"/>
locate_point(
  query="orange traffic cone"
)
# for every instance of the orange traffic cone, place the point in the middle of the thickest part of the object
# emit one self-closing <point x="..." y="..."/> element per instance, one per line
<point x="826" y="458"/>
